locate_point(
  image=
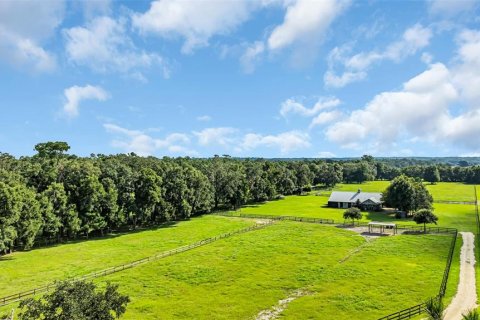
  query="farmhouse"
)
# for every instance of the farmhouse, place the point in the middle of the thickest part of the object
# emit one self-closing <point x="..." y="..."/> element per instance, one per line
<point x="364" y="200"/>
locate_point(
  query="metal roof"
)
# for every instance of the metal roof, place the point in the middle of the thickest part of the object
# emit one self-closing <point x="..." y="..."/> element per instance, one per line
<point x="376" y="223"/>
<point x="352" y="197"/>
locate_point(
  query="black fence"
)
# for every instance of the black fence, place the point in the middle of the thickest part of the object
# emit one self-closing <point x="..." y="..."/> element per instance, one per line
<point x="405" y="313"/>
<point x="477" y="217"/>
<point x="420" y="308"/>
<point x="272" y="217"/>
<point x="22" y="295"/>
<point x="410" y="228"/>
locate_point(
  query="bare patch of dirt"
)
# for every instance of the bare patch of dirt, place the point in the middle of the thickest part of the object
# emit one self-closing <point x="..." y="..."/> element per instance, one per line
<point x="363" y="231"/>
<point x="264" y="221"/>
<point x="276" y="310"/>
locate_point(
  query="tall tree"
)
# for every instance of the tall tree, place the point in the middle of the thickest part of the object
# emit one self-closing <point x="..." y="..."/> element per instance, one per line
<point x="51" y="148"/>
<point x="76" y="301"/>
<point x="431" y="174"/>
<point x="406" y="194"/>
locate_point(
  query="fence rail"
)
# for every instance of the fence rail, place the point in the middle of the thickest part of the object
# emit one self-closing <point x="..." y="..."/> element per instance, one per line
<point x="405" y="313"/>
<point x="22" y="295"/>
<point x="454" y="202"/>
<point x="333" y="222"/>
<point x="477" y="218"/>
<point x="420" y="308"/>
<point x="272" y="217"/>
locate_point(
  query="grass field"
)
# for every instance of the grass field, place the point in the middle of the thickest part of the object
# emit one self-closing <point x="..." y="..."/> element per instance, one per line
<point x="460" y="216"/>
<point x="450" y="215"/>
<point x="26" y="270"/>
<point x="443" y="191"/>
<point x="238" y="277"/>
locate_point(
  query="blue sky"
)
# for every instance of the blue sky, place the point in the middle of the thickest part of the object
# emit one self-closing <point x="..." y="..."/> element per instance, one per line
<point x="267" y="78"/>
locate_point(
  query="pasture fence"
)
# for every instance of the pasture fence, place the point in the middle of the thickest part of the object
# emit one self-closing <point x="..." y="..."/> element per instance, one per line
<point x="272" y="217"/>
<point x="421" y="308"/>
<point x="477" y="218"/>
<point x="455" y="202"/>
<point x="408" y="228"/>
<point x="24" y="294"/>
<point x="402" y="314"/>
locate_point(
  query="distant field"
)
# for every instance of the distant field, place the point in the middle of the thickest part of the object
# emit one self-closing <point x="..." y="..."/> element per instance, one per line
<point x="314" y="205"/>
<point x="443" y="191"/>
<point x="450" y="215"/>
<point x="26" y="270"/>
<point x="238" y="277"/>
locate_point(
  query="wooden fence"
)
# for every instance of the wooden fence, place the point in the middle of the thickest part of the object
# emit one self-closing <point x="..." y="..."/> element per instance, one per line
<point x="22" y="295"/>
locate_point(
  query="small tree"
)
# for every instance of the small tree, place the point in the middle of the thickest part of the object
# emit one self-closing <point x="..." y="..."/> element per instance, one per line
<point x="425" y="216"/>
<point x="352" y="213"/>
<point x="76" y="301"/>
<point x="434" y="309"/>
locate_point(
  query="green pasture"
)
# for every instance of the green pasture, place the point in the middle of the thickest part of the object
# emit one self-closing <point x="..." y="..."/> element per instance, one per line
<point x="442" y="191"/>
<point x="22" y="271"/>
<point x="238" y="277"/>
<point x="460" y="216"/>
<point x="338" y="272"/>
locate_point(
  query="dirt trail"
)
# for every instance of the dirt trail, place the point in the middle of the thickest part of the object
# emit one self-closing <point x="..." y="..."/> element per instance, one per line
<point x="466" y="297"/>
<point x="275" y="311"/>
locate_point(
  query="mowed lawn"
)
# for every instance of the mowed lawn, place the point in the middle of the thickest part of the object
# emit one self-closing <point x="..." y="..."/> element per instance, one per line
<point x="460" y="216"/>
<point x="26" y="270"/>
<point x="238" y="277"/>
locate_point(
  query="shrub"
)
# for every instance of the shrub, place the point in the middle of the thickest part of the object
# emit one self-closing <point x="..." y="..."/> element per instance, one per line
<point x="434" y="309"/>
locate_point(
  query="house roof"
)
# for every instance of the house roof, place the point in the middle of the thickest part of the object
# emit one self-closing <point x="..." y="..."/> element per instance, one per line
<point x="352" y="197"/>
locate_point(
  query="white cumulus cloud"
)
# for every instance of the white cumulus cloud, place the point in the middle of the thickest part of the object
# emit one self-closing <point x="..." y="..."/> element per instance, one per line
<point x="355" y="67"/>
<point x="76" y="94"/>
<point x="305" y="20"/>
<point x="194" y="21"/>
<point x="144" y="145"/>
<point x="223" y="136"/>
<point x="285" y="142"/>
<point x="24" y="27"/>
<point x="293" y="106"/>
<point x="104" y="46"/>
<point x="439" y="105"/>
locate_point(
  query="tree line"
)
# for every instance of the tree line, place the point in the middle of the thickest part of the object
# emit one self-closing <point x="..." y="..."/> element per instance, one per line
<point x="53" y="195"/>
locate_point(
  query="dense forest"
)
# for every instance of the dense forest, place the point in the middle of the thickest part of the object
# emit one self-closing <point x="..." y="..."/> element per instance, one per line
<point x="53" y="195"/>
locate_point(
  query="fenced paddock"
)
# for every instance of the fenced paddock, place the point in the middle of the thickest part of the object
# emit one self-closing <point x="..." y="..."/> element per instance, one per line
<point x="254" y="250"/>
<point x="405" y="313"/>
<point x="39" y="290"/>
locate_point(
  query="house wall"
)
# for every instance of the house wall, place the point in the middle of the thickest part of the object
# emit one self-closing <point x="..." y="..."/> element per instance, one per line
<point x="341" y="205"/>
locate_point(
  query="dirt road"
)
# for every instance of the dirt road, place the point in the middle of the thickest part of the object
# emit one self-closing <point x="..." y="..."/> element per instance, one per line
<point x="466" y="297"/>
